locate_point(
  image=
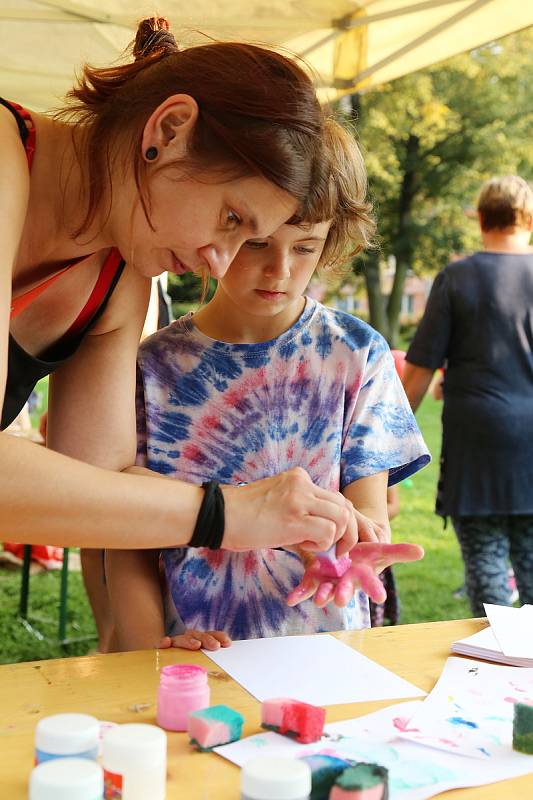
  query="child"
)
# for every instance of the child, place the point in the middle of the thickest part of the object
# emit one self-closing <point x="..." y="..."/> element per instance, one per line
<point x="262" y="379"/>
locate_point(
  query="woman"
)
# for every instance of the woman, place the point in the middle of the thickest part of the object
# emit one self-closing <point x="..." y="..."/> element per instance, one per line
<point x="479" y="324"/>
<point x="167" y="163"/>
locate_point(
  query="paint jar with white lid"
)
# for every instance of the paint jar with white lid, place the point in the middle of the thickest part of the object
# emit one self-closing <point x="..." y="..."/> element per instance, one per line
<point x="269" y="778"/>
<point x="66" y="736"/>
<point x="67" y="779"/>
<point x="135" y="762"/>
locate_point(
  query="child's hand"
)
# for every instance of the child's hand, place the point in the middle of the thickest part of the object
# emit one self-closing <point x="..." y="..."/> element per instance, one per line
<point x="368" y="560"/>
<point x="196" y="640"/>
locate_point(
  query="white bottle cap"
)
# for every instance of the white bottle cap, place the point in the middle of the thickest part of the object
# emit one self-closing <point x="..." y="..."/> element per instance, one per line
<point x="134" y="745"/>
<point x="268" y="778"/>
<point x="67" y="734"/>
<point x="67" y="779"/>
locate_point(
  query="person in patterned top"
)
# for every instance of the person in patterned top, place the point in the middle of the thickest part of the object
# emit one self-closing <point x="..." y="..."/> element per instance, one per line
<point x="263" y="379"/>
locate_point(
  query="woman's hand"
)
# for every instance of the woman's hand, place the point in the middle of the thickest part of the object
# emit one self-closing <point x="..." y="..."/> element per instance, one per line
<point x="285" y="510"/>
<point x="368" y="560"/>
<point x="196" y="640"/>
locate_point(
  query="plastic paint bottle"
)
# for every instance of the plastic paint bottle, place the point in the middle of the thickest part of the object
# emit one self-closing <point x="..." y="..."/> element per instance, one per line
<point x="67" y="779"/>
<point x="66" y="736"/>
<point x="268" y="778"/>
<point x="183" y="688"/>
<point x="135" y="763"/>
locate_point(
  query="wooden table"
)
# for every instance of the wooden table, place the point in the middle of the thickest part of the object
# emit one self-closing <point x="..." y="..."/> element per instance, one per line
<point x="122" y="688"/>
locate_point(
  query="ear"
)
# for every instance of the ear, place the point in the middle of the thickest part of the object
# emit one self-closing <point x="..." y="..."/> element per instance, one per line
<point x="169" y="127"/>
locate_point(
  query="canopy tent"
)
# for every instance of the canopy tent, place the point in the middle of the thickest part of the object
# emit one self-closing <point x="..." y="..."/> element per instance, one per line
<point x="350" y="45"/>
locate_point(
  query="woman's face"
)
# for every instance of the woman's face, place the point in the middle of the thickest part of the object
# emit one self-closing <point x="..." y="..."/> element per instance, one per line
<point x="201" y="225"/>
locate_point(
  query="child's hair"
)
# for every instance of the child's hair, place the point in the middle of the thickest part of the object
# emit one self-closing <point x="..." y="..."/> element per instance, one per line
<point x="344" y="198"/>
<point x="258" y="114"/>
<point x="505" y="202"/>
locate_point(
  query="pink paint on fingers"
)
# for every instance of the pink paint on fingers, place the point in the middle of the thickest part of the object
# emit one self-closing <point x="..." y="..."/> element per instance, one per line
<point x="324" y="593"/>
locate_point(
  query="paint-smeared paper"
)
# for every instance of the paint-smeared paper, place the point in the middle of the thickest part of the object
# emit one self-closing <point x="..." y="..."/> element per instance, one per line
<point x="415" y="772"/>
<point x="470" y="710"/>
<point x="316" y="669"/>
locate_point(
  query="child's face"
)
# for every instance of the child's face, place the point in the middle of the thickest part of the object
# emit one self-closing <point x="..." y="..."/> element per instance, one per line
<point x="268" y="275"/>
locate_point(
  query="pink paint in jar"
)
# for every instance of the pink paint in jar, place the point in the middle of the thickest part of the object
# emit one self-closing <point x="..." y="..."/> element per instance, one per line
<point x="183" y="688"/>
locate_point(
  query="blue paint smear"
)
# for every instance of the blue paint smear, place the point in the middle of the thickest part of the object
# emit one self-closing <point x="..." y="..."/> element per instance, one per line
<point x="485" y="752"/>
<point x="414" y="774"/>
<point x="460" y="721"/>
<point x="367" y="750"/>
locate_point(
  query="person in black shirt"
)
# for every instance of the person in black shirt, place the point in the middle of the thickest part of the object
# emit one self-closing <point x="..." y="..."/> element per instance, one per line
<point x="479" y="324"/>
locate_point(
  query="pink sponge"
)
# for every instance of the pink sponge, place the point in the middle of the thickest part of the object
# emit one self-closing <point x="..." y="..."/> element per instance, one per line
<point x="301" y="720"/>
<point x="331" y="566"/>
<point x="213" y="726"/>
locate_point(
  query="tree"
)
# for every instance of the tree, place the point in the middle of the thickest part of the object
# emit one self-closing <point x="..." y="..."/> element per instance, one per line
<point x="429" y="140"/>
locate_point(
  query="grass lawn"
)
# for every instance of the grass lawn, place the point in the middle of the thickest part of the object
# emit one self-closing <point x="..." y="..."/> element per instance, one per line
<point x="425" y="588"/>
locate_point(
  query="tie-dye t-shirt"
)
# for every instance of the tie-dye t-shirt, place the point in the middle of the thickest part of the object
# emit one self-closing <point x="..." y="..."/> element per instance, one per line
<point x="324" y="396"/>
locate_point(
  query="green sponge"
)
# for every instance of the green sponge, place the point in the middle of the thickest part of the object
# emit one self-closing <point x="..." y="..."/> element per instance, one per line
<point x="523" y="728"/>
<point x="361" y="781"/>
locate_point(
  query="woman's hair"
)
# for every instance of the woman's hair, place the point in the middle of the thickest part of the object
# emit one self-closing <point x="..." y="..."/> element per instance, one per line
<point x="343" y="199"/>
<point x="258" y="115"/>
<point x="505" y="202"/>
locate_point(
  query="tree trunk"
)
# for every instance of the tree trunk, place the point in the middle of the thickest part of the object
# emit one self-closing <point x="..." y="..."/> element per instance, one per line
<point x="376" y="304"/>
<point x="404" y="241"/>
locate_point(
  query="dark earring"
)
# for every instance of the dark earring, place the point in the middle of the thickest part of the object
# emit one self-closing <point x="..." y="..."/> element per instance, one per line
<point x="151" y="154"/>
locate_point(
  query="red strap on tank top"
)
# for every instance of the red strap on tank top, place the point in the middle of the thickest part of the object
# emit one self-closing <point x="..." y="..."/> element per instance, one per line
<point x="21" y="302"/>
<point x="29" y="144"/>
<point x="101" y="288"/>
<point x="107" y="273"/>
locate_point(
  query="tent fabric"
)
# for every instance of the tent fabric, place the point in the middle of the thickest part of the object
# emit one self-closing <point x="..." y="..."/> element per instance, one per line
<point x="349" y="45"/>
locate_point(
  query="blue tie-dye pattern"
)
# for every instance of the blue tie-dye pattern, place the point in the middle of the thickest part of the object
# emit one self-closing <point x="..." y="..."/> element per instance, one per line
<point x="323" y="342"/>
<point x="323" y="396"/>
<point x="287" y="350"/>
<point x="173" y="427"/>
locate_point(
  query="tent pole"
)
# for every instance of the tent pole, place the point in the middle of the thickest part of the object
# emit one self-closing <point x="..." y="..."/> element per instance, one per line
<point x="348" y="23"/>
<point x="448" y="23"/>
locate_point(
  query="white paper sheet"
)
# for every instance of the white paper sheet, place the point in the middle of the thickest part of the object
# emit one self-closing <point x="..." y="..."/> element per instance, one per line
<point x="415" y="772"/>
<point x="317" y="669"/>
<point x="513" y="629"/>
<point x="470" y="709"/>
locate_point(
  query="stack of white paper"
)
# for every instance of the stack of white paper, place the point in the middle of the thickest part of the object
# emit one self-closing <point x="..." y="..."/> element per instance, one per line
<point x="508" y="640"/>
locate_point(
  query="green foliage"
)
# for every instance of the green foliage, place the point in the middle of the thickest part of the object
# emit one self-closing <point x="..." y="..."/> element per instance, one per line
<point x="431" y="138"/>
<point x="185" y="291"/>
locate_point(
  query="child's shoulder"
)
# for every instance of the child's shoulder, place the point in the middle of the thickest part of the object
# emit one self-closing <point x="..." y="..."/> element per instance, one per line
<point x="176" y="338"/>
<point x="350" y="330"/>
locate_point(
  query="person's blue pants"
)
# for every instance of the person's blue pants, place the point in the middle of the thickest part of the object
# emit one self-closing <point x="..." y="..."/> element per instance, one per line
<point x="487" y="544"/>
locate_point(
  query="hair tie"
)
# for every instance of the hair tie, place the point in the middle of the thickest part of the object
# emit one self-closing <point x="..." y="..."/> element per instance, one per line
<point x="153" y="36"/>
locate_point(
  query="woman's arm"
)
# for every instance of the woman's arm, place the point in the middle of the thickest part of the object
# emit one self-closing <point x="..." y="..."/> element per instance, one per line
<point x="14" y="196"/>
<point x="416" y="381"/>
